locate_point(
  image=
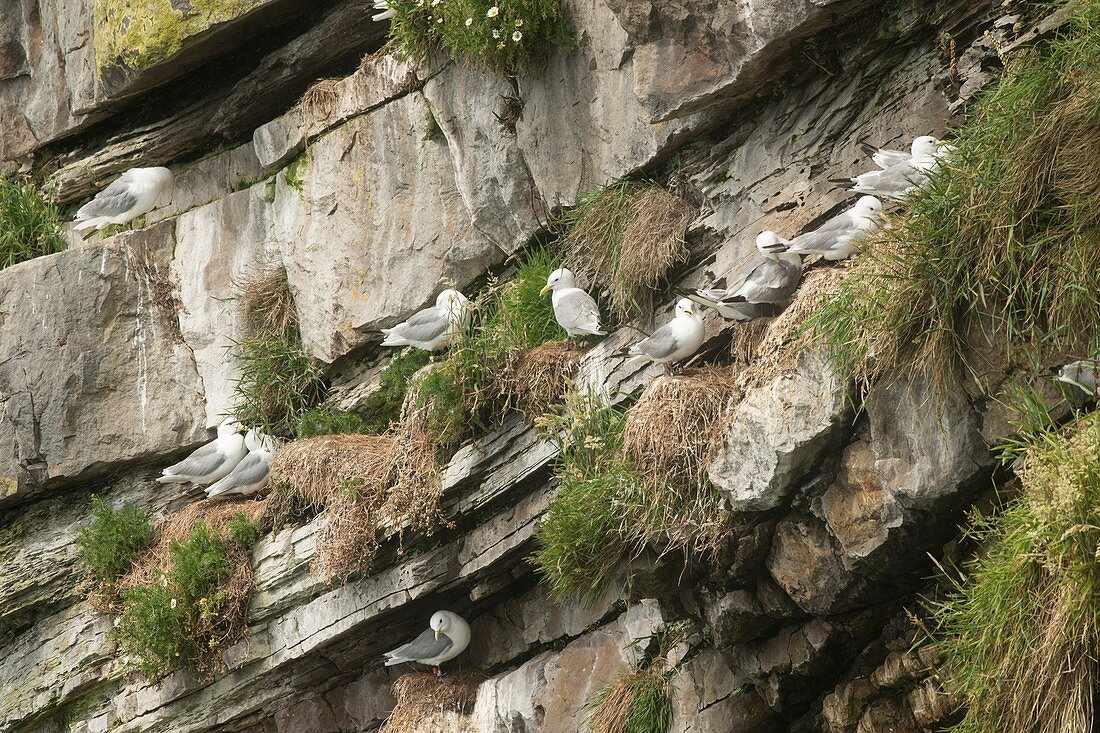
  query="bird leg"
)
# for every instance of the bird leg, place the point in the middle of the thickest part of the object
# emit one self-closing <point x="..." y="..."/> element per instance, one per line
<point x="668" y="370"/>
<point x="91" y="233"/>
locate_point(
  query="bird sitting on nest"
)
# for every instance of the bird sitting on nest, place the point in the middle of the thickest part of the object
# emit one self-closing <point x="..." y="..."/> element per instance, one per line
<point x="250" y="475"/>
<point x="132" y="194"/>
<point x="212" y="461"/>
<point x="434" y="328"/>
<point x="770" y="279"/>
<point x="678" y="339"/>
<point x="446" y="637"/>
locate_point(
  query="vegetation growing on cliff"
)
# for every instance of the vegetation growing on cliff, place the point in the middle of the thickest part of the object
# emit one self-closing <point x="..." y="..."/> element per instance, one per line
<point x="109" y="544"/>
<point x="30" y="225"/>
<point x="625" y="239"/>
<point x="1020" y="630"/>
<point x="638" y="701"/>
<point x="510" y="36"/>
<point x="1000" y="247"/>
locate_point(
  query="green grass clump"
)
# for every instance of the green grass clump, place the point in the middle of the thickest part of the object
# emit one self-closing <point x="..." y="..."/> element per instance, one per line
<point x="625" y="239"/>
<point x="199" y="564"/>
<point x="327" y="420"/>
<point x="278" y="382"/>
<point x="637" y="702"/>
<point x="1000" y="248"/>
<point x="244" y="532"/>
<point x="114" y="538"/>
<point x="580" y="547"/>
<point x="152" y="631"/>
<point x="30" y="225"/>
<point x="1019" y="633"/>
<point x="510" y="37"/>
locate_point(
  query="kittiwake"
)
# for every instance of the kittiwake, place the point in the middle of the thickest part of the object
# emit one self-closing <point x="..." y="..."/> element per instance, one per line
<point x="1083" y="374"/>
<point x="212" y="461"/>
<point x="574" y="309"/>
<point x="771" y="277"/>
<point x="129" y="196"/>
<point x="676" y="340"/>
<point x="251" y="473"/>
<point x="839" y="237"/>
<point x="431" y="329"/>
<point x="446" y="637"/>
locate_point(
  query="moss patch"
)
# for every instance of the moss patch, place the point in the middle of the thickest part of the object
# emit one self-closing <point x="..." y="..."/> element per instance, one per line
<point x="136" y="34"/>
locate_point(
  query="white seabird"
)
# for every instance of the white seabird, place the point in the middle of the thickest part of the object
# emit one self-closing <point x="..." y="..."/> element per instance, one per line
<point x="1083" y="374"/>
<point x="899" y="179"/>
<point x="885" y="157"/>
<point x="676" y="340"/>
<point x="251" y="473"/>
<point x="839" y="237"/>
<point x="574" y="309"/>
<point x="212" y="461"/>
<point x="770" y="278"/>
<point x="431" y="329"/>
<point x="132" y="194"/>
<point x="446" y="637"/>
<point x="386" y="12"/>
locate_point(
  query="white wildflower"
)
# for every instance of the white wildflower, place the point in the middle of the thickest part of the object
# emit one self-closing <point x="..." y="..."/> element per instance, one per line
<point x="496" y="33"/>
<point x="517" y="36"/>
<point x="493" y="12"/>
<point x="501" y="45"/>
<point x="519" y="22"/>
<point x="173" y="603"/>
<point x="163" y="581"/>
<point x="439" y="20"/>
<point x="469" y="22"/>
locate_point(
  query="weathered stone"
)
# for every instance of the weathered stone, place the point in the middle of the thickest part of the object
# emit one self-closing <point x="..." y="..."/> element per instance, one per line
<point x="806" y="565"/>
<point x="931" y="705"/>
<point x="778" y="432"/>
<point x="842" y="708"/>
<point x="705" y="699"/>
<point x="93" y="372"/>
<point x="888" y="714"/>
<point x="737" y="616"/>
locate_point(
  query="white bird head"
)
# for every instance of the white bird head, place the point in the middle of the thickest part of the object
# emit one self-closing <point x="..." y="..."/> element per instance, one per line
<point x="868" y="207"/>
<point x="1080" y="374"/>
<point x="441" y="622"/>
<point x="685" y="307"/>
<point x="560" y="278"/>
<point x="770" y="244"/>
<point x="925" y="146"/>
<point x="253" y="439"/>
<point x="161" y="177"/>
<point x="229" y="427"/>
<point x="454" y="301"/>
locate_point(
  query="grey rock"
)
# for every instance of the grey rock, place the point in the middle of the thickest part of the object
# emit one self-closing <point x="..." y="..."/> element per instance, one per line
<point x="808" y="567"/>
<point x="93" y="372"/>
<point x="777" y="433"/>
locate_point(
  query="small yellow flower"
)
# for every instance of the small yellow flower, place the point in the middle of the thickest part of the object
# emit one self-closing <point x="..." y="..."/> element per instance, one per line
<point x="493" y="12"/>
<point x="469" y="22"/>
<point x="501" y="45"/>
<point x="519" y="22"/>
<point x="517" y="36"/>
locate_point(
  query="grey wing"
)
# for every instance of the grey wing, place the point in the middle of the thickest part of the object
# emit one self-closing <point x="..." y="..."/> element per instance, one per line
<point x="425" y="646"/>
<point x="661" y="345"/>
<point x="249" y="471"/>
<point x="424" y="325"/>
<point x="769" y="280"/>
<point x="203" y="461"/>
<point x="896" y="179"/>
<point x="118" y="198"/>
<point x="885" y="158"/>
<point x="824" y="236"/>
<point x="577" y="309"/>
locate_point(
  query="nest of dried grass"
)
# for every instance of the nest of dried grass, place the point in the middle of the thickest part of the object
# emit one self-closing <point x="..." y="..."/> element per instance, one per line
<point x="784" y="337"/>
<point x="426" y="703"/>
<point x="319" y="101"/>
<point x="266" y="304"/>
<point x="309" y="475"/>
<point x="625" y="239"/>
<point x="541" y="377"/>
<point x="369" y="485"/>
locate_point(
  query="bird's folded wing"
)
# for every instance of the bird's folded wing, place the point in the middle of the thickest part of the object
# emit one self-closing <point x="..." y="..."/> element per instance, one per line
<point x="203" y="461"/>
<point x="661" y="345"/>
<point x="824" y="236"/>
<point x="577" y="309"/>
<point x="424" y="326"/>
<point x="118" y="198"/>
<point x="249" y="471"/>
<point x="425" y="646"/>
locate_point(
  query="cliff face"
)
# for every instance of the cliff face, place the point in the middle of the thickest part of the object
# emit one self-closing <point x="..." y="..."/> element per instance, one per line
<point x="113" y="353"/>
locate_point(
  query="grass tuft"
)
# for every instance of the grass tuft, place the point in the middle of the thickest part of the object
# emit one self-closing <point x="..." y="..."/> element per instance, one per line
<point x="1019" y="632"/>
<point x="637" y="702"/>
<point x="1000" y="247"/>
<point x="518" y="37"/>
<point x="624" y="239"/>
<point x="114" y="538"/>
<point x="278" y="383"/>
<point x="30" y="224"/>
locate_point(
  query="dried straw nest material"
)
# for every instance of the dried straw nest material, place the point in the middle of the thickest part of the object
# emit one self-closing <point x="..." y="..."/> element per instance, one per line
<point x="625" y="239"/>
<point x="784" y="337"/>
<point x="542" y="375"/>
<point x="319" y="101"/>
<point x="427" y="704"/>
<point x="266" y="304"/>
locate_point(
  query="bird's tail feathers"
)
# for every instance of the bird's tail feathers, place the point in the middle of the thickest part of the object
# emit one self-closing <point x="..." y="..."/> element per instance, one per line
<point x="170" y="479"/>
<point x="82" y="224"/>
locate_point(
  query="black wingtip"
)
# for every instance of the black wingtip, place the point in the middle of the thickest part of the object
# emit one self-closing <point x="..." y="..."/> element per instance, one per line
<point x="734" y="299"/>
<point x="868" y="148"/>
<point x="842" y="182"/>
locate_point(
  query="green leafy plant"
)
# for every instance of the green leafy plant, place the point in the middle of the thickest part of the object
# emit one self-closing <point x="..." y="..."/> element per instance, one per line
<point x="509" y="36"/>
<point x="244" y="532"/>
<point x="1019" y="631"/>
<point x="114" y="538"/>
<point x="30" y="225"/>
<point x="200" y="564"/>
<point x="998" y="250"/>
<point x="152" y="630"/>
<point x="278" y="382"/>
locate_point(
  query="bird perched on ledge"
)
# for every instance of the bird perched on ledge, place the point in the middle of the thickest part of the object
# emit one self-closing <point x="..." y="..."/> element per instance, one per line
<point x="574" y="309"/>
<point x="839" y="237"/>
<point x="1083" y="374"/>
<point x="431" y="329"/>
<point x="132" y="194"/>
<point x="212" y="461"/>
<point x="771" y="278"/>
<point x="250" y="475"/>
<point x="446" y="637"/>
<point x="676" y="340"/>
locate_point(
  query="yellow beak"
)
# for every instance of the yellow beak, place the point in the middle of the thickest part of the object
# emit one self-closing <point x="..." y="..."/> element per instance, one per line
<point x="546" y="289"/>
<point x="437" y="633"/>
